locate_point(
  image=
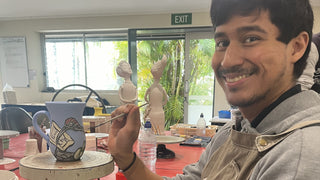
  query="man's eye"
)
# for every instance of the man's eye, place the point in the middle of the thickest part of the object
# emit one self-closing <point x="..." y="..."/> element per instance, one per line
<point x="251" y="39"/>
<point x="221" y="44"/>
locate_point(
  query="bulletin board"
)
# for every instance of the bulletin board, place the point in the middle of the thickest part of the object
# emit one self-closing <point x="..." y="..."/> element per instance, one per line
<point x="13" y="61"/>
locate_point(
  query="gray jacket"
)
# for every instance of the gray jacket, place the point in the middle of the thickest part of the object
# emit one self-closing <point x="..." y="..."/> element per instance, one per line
<point x="296" y="157"/>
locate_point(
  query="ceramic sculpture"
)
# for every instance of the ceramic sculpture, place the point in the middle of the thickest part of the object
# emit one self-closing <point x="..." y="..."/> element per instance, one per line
<point x="127" y="91"/>
<point x="157" y="97"/>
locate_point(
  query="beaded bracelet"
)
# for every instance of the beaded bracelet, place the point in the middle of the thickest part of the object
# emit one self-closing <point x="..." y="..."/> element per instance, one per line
<point x="134" y="159"/>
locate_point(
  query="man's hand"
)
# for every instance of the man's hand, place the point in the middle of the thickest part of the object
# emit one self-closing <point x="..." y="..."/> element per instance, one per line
<point x="123" y="134"/>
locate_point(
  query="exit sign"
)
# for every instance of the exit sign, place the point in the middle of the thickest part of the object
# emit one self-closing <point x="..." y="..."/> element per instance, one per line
<point x="180" y="19"/>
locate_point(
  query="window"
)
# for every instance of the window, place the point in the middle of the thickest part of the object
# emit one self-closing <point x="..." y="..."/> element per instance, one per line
<point x="91" y="59"/>
<point x="84" y="58"/>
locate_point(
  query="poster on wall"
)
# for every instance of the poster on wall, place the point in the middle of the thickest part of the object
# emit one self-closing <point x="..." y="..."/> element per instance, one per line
<point x="13" y="61"/>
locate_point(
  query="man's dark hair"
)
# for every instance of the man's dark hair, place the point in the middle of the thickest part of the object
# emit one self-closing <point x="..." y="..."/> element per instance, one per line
<point x="290" y="16"/>
<point x="316" y="41"/>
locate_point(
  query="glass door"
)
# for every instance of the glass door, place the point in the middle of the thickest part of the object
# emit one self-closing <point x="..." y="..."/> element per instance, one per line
<point x="199" y="77"/>
<point x="148" y="53"/>
<point x="188" y="77"/>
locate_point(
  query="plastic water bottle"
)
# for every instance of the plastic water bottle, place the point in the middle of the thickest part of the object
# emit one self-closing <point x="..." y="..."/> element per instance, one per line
<point x="201" y="126"/>
<point x="148" y="146"/>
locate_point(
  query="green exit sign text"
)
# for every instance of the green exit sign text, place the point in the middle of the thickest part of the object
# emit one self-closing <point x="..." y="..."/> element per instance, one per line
<point x="179" y="19"/>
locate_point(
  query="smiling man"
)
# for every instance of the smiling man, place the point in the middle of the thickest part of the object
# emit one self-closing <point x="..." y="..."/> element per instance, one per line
<point x="261" y="50"/>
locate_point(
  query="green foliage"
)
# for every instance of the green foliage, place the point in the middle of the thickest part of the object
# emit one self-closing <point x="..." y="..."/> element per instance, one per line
<point x="149" y="52"/>
<point x="201" y="54"/>
<point x="122" y="47"/>
<point x="174" y="110"/>
<point x="172" y="80"/>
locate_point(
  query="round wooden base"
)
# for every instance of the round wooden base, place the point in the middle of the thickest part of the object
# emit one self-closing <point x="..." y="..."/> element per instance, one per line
<point x="41" y="166"/>
<point x="4" y="174"/>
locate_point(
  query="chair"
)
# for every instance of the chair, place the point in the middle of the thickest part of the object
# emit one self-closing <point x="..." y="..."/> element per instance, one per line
<point x="15" y="118"/>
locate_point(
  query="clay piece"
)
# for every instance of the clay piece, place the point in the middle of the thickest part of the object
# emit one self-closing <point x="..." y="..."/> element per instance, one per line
<point x="156" y="97"/>
<point x="128" y="91"/>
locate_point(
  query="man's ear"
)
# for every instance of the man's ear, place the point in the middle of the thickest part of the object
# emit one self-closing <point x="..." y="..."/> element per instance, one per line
<point x="299" y="45"/>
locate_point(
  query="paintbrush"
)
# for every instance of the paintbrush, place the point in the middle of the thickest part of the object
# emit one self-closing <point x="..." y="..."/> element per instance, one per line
<point x="116" y="117"/>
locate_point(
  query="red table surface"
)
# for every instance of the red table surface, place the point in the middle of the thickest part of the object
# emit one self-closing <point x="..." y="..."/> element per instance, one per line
<point x="164" y="167"/>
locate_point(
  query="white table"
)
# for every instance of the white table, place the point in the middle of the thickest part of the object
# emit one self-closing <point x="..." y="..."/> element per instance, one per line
<point x="6" y="134"/>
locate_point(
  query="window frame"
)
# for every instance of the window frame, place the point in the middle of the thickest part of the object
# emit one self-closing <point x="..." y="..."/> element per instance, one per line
<point x="78" y="36"/>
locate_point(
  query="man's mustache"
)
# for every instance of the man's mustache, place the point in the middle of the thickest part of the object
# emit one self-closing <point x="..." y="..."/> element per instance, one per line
<point x="236" y="70"/>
